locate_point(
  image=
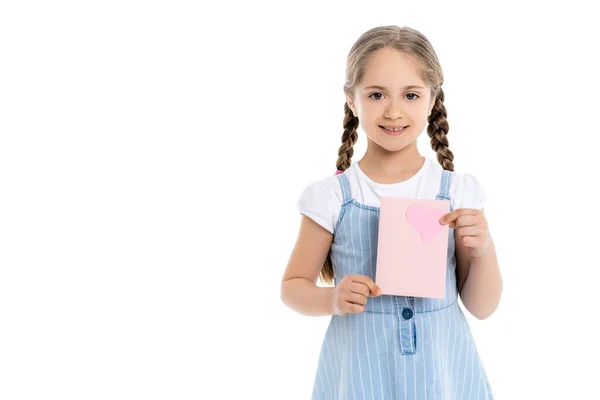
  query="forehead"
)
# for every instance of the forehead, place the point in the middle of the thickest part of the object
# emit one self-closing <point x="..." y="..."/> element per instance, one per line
<point x="392" y="69"/>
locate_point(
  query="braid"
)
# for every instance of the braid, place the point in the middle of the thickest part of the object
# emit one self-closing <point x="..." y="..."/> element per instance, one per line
<point x="345" y="154"/>
<point x="349" y="137"/>
<point x="438" y="131"/>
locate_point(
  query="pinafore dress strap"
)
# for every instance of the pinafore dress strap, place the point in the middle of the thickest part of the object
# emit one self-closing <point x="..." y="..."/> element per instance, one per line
<point x="345" y="188"/>
<point x="444" y="193"/>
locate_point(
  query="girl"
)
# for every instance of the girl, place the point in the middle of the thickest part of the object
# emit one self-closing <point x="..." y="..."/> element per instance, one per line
<point x="384" y="346"/>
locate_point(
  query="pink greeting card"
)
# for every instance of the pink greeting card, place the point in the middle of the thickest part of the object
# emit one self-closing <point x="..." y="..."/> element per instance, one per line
<point x="412" y="247"/>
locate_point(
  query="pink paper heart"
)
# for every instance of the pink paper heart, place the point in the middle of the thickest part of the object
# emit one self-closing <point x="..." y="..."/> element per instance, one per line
<point x="426" y="222"/>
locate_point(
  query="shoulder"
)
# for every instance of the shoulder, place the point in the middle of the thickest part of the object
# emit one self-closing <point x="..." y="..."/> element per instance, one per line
<point x="322" y="189"/>
<point x="321" y="200"/>
<point x="466" y="191"/>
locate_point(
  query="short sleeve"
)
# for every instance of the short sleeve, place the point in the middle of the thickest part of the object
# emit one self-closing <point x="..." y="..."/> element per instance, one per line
<point x="467" y="192"/>
<point x="316" y="203"/>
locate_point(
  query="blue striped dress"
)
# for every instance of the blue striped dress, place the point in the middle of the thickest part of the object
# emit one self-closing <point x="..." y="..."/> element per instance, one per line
<point x="401" y="347"/>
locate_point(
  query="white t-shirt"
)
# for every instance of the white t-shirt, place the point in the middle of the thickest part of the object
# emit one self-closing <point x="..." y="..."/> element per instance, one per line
<point x="322" y="200"/>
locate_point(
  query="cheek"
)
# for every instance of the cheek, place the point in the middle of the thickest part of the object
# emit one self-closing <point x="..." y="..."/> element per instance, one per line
<point x="368" y="111"/>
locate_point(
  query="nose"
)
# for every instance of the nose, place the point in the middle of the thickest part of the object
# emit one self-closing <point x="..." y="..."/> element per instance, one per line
<point x="394" y="110"/>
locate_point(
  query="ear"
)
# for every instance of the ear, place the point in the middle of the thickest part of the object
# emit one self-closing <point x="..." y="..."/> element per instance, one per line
<point x="350" y="104"/>
<point x="431" y="106"/>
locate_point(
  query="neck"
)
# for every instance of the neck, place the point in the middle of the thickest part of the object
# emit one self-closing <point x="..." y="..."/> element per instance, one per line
<point x="390" y="167"/>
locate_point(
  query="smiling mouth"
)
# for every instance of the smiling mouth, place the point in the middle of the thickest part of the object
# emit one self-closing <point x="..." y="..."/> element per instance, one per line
<point x="394" y="127"/>
<point x="393" y="132"/>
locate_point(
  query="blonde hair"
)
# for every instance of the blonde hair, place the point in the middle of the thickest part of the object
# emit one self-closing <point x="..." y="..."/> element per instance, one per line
<point x="414" y="44"/>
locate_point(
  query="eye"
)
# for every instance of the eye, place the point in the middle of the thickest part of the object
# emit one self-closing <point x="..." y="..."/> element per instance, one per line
<point x="408" y="94"/>
<point x="372" y="95"/>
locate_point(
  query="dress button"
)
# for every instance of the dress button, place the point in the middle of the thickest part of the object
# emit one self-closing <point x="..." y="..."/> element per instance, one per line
<point x="407" y="313"/>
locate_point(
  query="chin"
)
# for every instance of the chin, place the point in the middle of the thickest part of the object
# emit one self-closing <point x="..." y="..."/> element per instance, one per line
<point x="395" y="149"/>
<point x="394" y="145"/>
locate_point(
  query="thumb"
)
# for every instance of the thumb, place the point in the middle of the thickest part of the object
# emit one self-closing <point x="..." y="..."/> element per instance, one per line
<point x="374" y="289"/>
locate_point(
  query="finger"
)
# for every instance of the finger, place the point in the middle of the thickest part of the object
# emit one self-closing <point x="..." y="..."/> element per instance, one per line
<point x="470" y="241"/>
<point x="363" y="289"/>
<point x="448" y="217"/>
<point x="357" y="298"/>
<point x="465" y="220"/>
<point x="359" y="288"/>
<point x="375" y="292"/>
<point x="469" y="231"/>
<point x="356" y="308"/>
<point x="453" y="215"/>
<point x="471" y="220"/>
<point x="373" y="288"/>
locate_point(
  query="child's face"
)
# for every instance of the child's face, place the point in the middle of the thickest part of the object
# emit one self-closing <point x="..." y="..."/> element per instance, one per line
<point x="394" y="105"/>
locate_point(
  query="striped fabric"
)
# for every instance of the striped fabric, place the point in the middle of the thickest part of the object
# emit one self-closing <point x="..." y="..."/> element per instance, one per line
<point x="401" y="347"/>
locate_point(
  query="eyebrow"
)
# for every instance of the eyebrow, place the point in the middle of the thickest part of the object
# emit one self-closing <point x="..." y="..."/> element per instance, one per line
<point x="383" y="88"/>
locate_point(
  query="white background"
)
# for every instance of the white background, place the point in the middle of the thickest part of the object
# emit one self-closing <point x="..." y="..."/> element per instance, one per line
<point x="152" y="154"/>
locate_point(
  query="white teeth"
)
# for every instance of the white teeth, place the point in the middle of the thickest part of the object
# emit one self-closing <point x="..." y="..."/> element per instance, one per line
<point x="393" y="129"/>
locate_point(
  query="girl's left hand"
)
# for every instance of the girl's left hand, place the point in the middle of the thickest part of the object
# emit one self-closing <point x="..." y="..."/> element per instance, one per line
<point x="472" y="227"/>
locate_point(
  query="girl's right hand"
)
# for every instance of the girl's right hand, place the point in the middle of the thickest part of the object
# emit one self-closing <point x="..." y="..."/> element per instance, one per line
<point x="350" y="296"/>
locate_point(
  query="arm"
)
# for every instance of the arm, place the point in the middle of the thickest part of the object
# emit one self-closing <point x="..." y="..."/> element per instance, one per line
<point x="298" y="286"/>
<point x="478" y="278"/>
